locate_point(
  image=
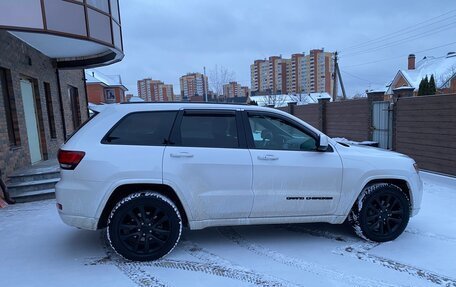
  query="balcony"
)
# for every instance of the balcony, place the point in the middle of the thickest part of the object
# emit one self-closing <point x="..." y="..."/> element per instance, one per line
<point x="76" y="33"/>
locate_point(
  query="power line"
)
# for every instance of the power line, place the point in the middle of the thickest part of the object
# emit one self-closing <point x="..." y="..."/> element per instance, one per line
<point x="355" y="76"/>
<point x="402" y="41"/>
<point x="392" y="58"/>
<point x="402" y="31"/>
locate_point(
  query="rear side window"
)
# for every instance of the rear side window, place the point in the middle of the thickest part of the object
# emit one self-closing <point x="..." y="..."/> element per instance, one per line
<point x="209" y="130"/>
<point x="142" y="128"/>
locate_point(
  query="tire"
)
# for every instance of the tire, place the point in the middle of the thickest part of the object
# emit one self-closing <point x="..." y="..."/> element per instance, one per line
<point x="381" y="213"/>
<point x="144" y="226"/>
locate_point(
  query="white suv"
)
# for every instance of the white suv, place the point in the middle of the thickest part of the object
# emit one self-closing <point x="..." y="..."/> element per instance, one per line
<point x="145" y="170"/>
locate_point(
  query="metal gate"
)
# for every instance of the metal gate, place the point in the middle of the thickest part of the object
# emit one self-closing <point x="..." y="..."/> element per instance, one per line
<point x="381" y="124"/>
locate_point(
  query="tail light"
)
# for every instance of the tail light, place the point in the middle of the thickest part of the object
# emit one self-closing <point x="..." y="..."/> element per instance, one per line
<point x="70" y="159"/>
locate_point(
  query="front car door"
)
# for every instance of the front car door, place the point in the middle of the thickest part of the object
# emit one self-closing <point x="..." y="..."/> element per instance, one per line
<point x="208" y="161"/>
<point x="290" y="177"/>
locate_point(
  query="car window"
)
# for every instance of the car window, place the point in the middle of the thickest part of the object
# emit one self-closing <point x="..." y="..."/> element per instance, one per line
<point x="209" y="130"/>
<point x="142" y="128"/>
<point x="275" y="133"/>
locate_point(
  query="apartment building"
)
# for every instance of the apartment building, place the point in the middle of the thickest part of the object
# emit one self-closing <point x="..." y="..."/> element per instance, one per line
<point x="245" y="91"/>
<point x="165" y="93"/>
<point x="259" y="72"/>
<point x="295" y="85"/>
<point x="155" y="91"/>
<point x="301" y="74"/>
<point x="317" y="70"/>
<point x="193" y="85"/>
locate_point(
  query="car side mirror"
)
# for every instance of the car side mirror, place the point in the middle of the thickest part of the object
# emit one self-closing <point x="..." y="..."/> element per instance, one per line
<point x="323" y="143"/>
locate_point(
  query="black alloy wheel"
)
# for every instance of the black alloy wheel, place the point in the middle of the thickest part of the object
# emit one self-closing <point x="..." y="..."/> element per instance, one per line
<point x="144" y="226"/>
<point x="384" y="213"/>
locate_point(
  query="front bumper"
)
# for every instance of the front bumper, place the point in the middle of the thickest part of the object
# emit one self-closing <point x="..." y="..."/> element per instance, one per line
<point x="416" y="188"/>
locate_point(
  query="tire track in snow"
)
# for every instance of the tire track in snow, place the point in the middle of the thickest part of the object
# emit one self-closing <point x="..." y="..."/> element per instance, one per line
<point x="360" y="251"/>
<point x="317" y="233"/>
<point x="431" y="235"/>
<point x="214" y="265"/>
<point x="247" y="274"/>
<point x="313" y="268"/>
<point x="131" y="269"/>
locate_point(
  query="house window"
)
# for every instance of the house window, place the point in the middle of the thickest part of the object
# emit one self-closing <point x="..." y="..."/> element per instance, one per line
<point x="9" y="102"/>
<point x="50" y="110"/>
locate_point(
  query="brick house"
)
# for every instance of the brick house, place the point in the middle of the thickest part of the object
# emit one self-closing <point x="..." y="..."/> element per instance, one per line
<point x="443" y="69"/>
<point x="44" y="48"/>
<point x="104" y="89"/>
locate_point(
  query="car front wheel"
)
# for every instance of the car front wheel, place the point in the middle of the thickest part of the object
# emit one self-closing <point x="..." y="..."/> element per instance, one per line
<point x="144" y="226"/>
<point x="381" y="213"/>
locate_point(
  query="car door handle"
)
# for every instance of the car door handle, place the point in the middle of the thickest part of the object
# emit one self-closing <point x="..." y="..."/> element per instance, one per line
<point x="181" y="154"/>
<point x="267" y="157"/>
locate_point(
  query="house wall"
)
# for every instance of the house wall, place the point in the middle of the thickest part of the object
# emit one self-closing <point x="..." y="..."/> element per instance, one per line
<point x="401" y="82"/>
<point x="24" y="61"/>
<point x="95" y="93"/>
<point x="120" y="95"/>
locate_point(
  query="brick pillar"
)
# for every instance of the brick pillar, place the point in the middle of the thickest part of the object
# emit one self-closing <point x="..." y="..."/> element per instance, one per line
<point x="373" y="96"/>
<point x="291" y="107"/>
<point x="322" y="116"/>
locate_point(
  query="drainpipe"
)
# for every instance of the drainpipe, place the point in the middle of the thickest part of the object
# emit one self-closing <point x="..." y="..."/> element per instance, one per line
<point x="86" y="93"/>
<point x="61" y="104"/>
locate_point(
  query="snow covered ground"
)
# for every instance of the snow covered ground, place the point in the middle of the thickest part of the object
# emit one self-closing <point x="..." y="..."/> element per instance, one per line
<point x="37" y="249"/>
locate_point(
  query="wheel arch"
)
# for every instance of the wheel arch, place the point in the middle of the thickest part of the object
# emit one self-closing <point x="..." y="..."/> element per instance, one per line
<point x="125" y="190"/>
<point x="399" y="182"/>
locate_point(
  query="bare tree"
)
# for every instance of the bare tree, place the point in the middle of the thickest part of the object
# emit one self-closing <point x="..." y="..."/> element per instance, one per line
<point x="446" y="76"/>
<point x="276" y="100"/>
<point x="219" y="76"/>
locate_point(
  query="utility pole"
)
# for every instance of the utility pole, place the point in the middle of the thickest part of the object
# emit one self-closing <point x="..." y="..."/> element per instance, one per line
<point x="337" y="77"/>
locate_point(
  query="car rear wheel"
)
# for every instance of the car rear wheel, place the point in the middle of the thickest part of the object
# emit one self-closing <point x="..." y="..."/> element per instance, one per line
<point x="381" y="213"/>
<point x="144" y="226"/>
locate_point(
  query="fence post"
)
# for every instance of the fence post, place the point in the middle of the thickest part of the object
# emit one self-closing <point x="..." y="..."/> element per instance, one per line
<point x="291" y="107"/>
<point x="394" y="103"/>
<point x="322" y="115"/>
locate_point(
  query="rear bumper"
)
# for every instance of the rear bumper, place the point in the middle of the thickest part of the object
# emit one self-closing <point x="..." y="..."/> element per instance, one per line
<point x="80" y="202"/>
<point x="79" y="221"/>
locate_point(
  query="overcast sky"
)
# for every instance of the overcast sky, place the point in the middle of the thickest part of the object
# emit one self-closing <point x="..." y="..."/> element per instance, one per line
<point x="166" y="39"/>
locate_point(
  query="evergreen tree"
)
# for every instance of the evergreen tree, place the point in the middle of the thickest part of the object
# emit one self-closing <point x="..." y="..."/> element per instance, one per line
<point x="432" y="88"/>
<point x="421" y="88"/>
<point x="424" y="88"/>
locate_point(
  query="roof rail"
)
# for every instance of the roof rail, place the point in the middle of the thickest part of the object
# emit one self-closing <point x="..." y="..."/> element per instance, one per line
<point x="213" y="103"/>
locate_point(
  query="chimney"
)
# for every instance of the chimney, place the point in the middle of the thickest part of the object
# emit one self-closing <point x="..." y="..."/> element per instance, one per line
<point x="411" y="62"/>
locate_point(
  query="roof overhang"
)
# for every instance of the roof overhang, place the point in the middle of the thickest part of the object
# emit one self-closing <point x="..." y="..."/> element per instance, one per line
<point x="75" y="34"/>
<point x="69" y="52"/>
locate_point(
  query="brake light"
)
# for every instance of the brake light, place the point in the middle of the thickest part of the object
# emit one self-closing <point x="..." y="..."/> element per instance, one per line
<point x="70" y="159"/>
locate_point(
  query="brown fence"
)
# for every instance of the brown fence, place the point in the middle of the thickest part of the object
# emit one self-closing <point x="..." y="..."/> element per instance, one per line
<point x="349" y="119"/>
<point x="311" y="114"/>
<point x="423" y="127"/>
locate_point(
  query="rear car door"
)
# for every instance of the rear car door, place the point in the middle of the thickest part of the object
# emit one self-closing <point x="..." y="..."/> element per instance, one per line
<point x="208" y="161"/>
<point x="290" y="177"/>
